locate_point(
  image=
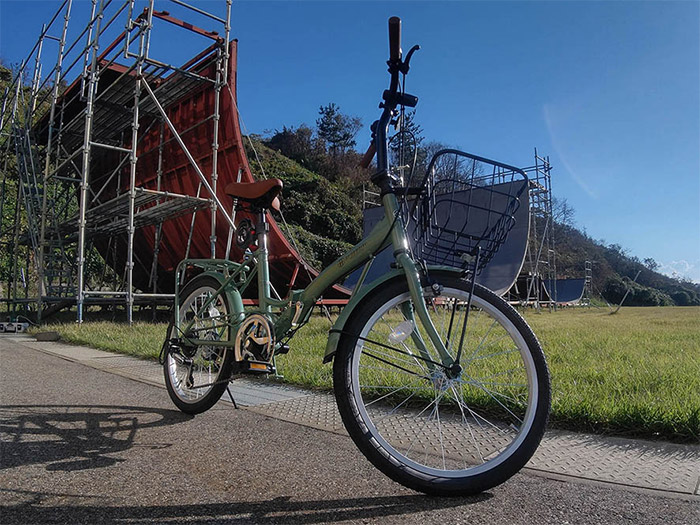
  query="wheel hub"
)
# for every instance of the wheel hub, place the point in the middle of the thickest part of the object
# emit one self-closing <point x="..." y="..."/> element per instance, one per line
<point x="442" y="381"/>
<point x="454" y="371"/>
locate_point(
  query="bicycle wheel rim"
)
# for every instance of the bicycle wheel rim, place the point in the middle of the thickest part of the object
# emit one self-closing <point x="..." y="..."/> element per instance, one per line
<point x="207" y="361"/>
<point x="450" y="460"/>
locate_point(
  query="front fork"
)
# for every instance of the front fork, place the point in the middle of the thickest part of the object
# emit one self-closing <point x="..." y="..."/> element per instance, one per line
<point x="403" y="260"/>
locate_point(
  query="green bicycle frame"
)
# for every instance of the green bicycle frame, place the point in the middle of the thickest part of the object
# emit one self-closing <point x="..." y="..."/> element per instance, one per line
<point x="295" y="310"/>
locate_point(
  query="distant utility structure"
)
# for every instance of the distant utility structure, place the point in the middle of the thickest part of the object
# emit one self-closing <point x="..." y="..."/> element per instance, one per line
<point x="588" y="287"/>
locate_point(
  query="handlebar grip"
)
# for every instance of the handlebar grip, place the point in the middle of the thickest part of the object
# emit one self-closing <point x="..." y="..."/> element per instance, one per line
<point x="394" y="38"/>
<point x="368" y="156"/>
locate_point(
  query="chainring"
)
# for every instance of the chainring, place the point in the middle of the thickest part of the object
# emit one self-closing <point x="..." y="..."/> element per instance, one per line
<point x="255" y="339"/>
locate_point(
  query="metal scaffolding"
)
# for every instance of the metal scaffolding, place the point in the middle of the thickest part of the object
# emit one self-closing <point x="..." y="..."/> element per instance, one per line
<point x="588" y="286"/>
<point x="77" y="117"/>
<point x="540" y="260"/>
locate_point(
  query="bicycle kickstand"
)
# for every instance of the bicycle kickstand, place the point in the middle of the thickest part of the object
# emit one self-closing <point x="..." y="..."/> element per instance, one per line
<point x="231" y="396"/>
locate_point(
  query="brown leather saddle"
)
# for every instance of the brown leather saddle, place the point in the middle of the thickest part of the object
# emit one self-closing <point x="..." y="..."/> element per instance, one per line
<point x="262" y="194"/>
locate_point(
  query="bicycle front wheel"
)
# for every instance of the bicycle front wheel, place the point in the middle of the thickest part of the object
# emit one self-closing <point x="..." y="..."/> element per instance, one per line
<point x="441" y="431"/>
<point x="197" y="376"/>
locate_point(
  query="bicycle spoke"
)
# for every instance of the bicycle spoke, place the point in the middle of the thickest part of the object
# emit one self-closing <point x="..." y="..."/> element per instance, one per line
<point x="393" y="410"/>
<point x="442" y="444"/>
<point x="385" y="396"/>
<point x="392" y="370"/>
<point x="469" y="427"/>
<point x="434" y="402"/>
<point x="489" y="393"/>
<point x="504" y="352"/>
<point x="481" y="343"/>
<point x="478" y="416"/>
<point x="414" y="360"/>
<point x="395" y="366"/>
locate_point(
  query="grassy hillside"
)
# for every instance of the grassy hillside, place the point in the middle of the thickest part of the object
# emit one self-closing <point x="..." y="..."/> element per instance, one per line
<point x="325" y="217"/>
<point x="614" y="269"/>
<point x="325" y="208"/>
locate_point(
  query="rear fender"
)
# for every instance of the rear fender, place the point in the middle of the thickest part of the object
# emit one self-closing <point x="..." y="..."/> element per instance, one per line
<point x="233" y="297"/>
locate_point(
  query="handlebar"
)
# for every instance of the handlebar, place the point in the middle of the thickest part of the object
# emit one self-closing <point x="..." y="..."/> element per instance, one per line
<point x="392" y="98"/>
<point x="394" y="39"/>
<point x="394" y="62"/>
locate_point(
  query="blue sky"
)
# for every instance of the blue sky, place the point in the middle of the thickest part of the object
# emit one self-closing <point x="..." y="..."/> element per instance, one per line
<point x="609" y="90"/>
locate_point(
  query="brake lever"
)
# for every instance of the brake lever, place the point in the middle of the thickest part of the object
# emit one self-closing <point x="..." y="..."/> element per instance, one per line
<point x="405" y="65"/>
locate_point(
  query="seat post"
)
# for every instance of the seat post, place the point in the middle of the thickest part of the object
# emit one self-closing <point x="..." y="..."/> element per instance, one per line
<point x="262" y="228"/>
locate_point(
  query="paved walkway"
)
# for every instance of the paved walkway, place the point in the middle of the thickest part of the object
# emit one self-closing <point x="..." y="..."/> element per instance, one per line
<point x="663" y="467"/>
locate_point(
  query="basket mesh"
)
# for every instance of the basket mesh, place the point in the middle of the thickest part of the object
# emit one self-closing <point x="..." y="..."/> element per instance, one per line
<point x="467" y="207"/>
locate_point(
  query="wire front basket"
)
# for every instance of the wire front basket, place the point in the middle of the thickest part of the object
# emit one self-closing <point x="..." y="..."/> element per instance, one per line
<point x="466" y="209"/>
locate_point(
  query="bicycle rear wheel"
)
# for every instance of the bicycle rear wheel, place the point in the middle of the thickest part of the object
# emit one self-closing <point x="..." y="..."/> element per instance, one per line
<point x="196" y="377"/>
<point x="426" y="427"/>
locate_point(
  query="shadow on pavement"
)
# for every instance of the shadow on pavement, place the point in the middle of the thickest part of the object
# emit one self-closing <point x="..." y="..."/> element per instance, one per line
<point x="75" y="437"/>
<point x="278" y="510"/>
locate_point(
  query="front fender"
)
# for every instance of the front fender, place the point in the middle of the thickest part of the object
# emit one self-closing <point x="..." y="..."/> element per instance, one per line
<point x="359" y="297"/>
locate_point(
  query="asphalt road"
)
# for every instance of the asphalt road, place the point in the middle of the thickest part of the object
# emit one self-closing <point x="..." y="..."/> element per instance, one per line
<point x="84" y="446"/>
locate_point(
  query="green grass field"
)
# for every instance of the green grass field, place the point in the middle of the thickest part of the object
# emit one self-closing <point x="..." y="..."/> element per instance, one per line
<point x="636" y="373"/>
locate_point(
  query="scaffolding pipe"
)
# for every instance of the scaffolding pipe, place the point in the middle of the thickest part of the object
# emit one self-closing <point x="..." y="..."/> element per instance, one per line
<point x="143" y="53"/>
<point x="194" y="217"/>
<point x="215" y="152"/>
<point x="84" y="183"/>
<point x="37" y="75"/>
<point x="197" y="10"/>
<point x="47" y="165"/>
<point x="91" y="43"/>
<point x="12" y="284"/>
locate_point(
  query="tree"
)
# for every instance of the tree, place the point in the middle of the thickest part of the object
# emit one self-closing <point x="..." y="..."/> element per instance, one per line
<point x="682" y="298"/>
<point x="409" y="136"/>
<point x="5" y="73"/>
<point x="296" y="143"/>
<point x="562" y="212"/>
<point x="651" y="264"/>
<point x="337" y="130"/>
<point x="617" y="250"/>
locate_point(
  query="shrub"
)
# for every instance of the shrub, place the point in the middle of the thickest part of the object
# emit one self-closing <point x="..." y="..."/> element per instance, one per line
<point x="616" y="288"/>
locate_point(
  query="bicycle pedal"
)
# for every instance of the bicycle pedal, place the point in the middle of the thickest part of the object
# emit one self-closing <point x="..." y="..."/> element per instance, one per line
<point x="257" y="367"/>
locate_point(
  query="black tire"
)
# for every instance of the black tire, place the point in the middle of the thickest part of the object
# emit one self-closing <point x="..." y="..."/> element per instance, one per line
<point x="421" y="426"/>
<point x="196" y="378"/>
